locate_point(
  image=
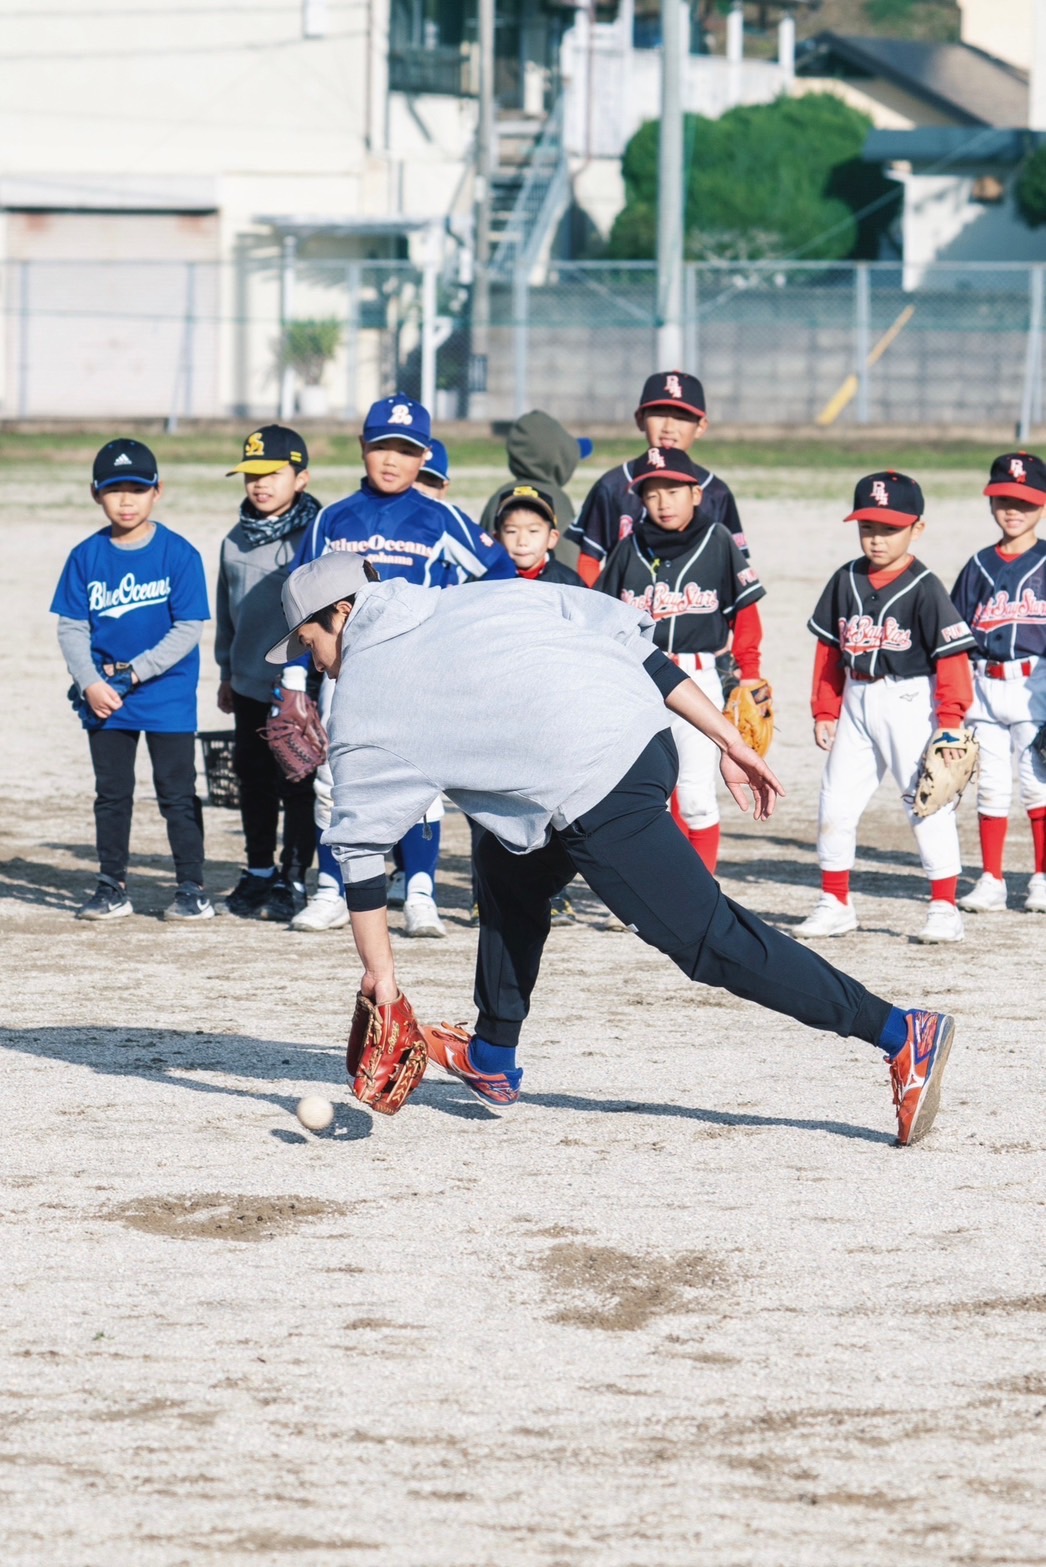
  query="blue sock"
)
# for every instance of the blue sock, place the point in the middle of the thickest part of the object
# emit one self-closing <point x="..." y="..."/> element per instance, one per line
<point x="894" y="1036"/>
<point x="419" y="852"/>
<point x="491" y="1058"/>
<point x="326" y="864"/>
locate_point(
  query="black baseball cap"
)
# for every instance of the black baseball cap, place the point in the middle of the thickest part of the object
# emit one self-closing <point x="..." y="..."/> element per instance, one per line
<point x="1020" y="475"/>
<point x="888" y="497"/>
<point x="666" y="462"/>
<point x="526" y="498"/>
<point x="673" y="389"/>
<point x="271" y="448"/>
<point x="125" y="462"/>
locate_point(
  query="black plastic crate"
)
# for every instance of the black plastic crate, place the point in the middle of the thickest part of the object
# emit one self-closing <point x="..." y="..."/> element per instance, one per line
<point x="223" y="786"/>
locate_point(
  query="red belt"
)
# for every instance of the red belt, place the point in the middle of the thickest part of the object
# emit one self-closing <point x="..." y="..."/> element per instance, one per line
<point x="867" y="680"/>
<point x="1000" y="671"/>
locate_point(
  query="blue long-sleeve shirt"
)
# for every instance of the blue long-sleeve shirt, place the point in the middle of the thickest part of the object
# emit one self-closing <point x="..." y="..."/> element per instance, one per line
<point x="428" y="542"/>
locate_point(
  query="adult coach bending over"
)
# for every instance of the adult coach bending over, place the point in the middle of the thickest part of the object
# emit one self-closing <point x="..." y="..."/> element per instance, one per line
<point x="579" y="784"/>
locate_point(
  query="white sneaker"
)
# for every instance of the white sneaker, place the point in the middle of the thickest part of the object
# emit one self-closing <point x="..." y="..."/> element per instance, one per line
<point x="1035" y="902"/>
<point x="397" y="893"/>
<point x="611" y="922"/>
<point x="986" y="896"/>
<point x="421" y="917"/>
<point x="322" y="912"/>
<point x="943" y="923"/>
<point x="830" y="918"/>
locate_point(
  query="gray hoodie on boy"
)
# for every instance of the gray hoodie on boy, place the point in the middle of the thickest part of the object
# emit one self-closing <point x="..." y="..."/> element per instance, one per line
<point x="525" y="703"/>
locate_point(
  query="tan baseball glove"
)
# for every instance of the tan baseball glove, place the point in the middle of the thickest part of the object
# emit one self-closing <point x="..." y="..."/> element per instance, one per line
<point x="294" y="734"/>
<point x="942" y="781"/>
<point x="386" y="1056"/>
<point x="751" y="710"/>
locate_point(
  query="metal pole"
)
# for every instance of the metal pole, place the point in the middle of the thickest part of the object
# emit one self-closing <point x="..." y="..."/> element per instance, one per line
<point x="23" y="341"/>
<point x="670" y="214"/>
<point x="1032" y="351"/>
<point x="691" y="320"/>
<point x="190" y="336"/>
<point x="352" y="340"/>
<point x="485" y="135"/>
<point x="520" y="332"/>
<point x="862" y="337"/>
<point x="287" y="378"/>
<point x="429" y="280"/>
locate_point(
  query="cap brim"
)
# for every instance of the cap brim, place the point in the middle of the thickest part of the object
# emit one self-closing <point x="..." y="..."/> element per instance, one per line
<point x="892" y="519"/>
<point x="526" y="503"/>
<point x="259" y="467"/>
<point x="127" y="478"/>
<point x="395" y="435"/>
<point x="288" y="649"/>
<point x="668" y="402"/>
<point x="666" y="473"/>
<point x="1017" y="492"/>
<point x="434" y="473"/>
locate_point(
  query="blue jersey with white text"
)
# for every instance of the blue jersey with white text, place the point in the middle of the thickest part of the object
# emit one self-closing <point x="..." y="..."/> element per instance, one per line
<point x="1003" y="599"/>
<point x="429" y="542"/>
<point x="131" y="598"/>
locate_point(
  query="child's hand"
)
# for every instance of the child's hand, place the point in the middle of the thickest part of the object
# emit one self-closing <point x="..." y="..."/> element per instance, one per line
<point x="225" y="696"/>
<point x="102" y="700"/>
<point x="824" y="732"/>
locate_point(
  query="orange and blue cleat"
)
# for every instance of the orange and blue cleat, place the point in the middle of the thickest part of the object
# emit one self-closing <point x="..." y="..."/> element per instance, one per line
<point x="448" y="1047"/>
<point x="916" y="1072"/>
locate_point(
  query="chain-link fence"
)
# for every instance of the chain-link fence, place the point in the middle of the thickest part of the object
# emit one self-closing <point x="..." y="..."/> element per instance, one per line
<point x="774" y="343"/>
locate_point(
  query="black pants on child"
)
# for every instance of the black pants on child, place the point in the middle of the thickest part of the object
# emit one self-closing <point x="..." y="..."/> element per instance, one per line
<point x="634" y="857"/>
<point x="263" y="789"/>
<point x="173" y="759"/>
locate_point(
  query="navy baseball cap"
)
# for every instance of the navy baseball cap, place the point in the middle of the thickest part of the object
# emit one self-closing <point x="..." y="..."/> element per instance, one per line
<point x="673" y="389"/>
<point x="125" y="462"/>
<point x="437" y="463"/>
<point x="398" y="418"/>
<point x="667" y="462"/>
<point x="271" y="448"/>
<point x="890" y="498"/>
<point x="1020" y="475"/>
<point x="526" y="497"/>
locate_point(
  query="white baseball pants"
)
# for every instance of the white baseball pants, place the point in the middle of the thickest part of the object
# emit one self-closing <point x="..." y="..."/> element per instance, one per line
<point x="695" y="792"/>
<point x="1006" y="716"/>
<point x="883" y="728"/>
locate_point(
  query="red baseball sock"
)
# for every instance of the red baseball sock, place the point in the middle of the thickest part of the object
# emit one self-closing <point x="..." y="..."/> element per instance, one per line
<point x="1038" y="837"/>
<point x="705" y="843"/>
<point x="946" y="890"/>
<point x="993" y="843"/>
<point x="837" y="883"/>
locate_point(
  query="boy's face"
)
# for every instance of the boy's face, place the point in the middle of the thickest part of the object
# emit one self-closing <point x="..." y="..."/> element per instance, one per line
<point x="392" y="466"/>
<point x="271" y="494"/>
<point x="671" y="427"/>
<point x="527" y="537"/>
<point x="671" y="505"/>
<point x="1015" y="518"/>
<point x="126" y="506"/>
<point x="884" y="546"/>
<point x="325" y="646"/>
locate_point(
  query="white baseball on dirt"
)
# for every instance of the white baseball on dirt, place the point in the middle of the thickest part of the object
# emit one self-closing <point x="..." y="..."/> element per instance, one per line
<point x="315" y="1113"/>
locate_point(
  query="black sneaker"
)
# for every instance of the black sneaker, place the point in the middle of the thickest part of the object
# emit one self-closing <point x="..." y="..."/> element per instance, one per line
<point x="110" y="902"/>
<point x="285" y="900"/>
<point x="249" y="894"/>
<point x="190" y="903"/>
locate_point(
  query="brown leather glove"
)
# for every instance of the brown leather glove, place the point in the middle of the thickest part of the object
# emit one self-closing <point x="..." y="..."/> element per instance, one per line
<point x="294" y="734"/>
<point x="386" y="1056"/>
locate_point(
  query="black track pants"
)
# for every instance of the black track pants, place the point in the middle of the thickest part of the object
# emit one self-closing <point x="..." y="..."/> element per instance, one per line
<point x="633" y="856"/>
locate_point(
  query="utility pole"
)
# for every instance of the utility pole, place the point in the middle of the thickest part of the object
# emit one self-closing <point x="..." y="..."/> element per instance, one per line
<point x="675" y="49"/>
<point x="485" y="138"/>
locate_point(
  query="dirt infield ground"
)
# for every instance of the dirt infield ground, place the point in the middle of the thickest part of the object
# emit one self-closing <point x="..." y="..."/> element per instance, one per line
<point x="685" y="1304"/>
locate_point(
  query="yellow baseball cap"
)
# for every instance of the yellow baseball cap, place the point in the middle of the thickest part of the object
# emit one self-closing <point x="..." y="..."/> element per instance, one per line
<point x="270" y="449"/>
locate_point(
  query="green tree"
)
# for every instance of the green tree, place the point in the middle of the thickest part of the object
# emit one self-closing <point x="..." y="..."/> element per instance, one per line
<point x="770" y="180"/>
<point x="1030" y="190"/>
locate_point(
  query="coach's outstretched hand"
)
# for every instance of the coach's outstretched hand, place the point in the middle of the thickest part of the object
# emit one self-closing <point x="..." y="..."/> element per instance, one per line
<point x="742" y="768"/>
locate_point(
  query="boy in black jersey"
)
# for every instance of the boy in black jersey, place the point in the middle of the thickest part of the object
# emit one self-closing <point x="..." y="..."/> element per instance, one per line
<point x="671" y="414"/>
<point x="525" y="525"/>
<point x="1002" y="593"/>
<point x="689" y="575"/>
<point x="891" y="667"/>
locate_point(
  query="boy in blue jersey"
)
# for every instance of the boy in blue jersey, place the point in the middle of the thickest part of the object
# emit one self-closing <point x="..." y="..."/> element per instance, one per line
<point x="131" y="603"/>
<point x="403" y="533"/>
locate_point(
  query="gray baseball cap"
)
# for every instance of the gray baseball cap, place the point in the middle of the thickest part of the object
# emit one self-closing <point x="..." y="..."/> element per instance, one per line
<point x="337" y="575"/>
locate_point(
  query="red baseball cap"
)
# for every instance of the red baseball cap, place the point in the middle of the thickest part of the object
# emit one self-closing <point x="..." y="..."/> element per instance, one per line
<point x="666" y="462"/>
<point x="1020" y="475"/>
<point x="888" y="497"/>
<point x="673" y="389"/>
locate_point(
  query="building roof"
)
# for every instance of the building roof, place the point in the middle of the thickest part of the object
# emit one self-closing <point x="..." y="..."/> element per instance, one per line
<point x="970" y="87"/>
<point x="951" y="147"/>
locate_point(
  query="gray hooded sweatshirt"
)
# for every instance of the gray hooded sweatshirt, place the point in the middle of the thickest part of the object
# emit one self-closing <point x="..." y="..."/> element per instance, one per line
<point x="525" y="703"/>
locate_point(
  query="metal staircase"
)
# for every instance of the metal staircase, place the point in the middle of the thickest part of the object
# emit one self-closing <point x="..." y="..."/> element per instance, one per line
<point x="530" y="194"/>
